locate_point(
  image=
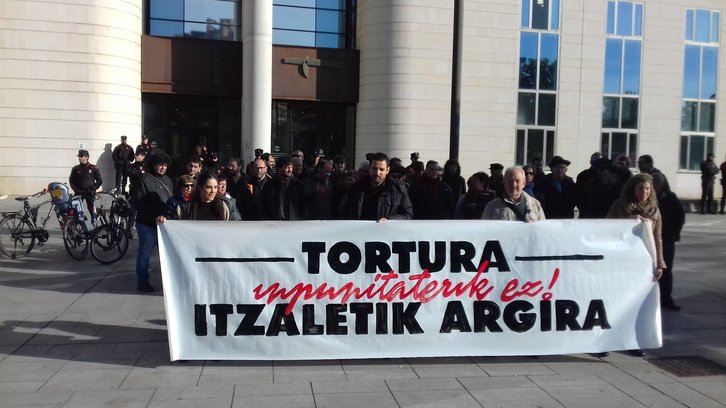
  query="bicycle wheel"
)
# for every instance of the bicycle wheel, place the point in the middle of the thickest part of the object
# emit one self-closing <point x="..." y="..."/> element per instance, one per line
<point x="16" y="236"/>
<point x="74" y="238"/>
<point x="109" y="243"/>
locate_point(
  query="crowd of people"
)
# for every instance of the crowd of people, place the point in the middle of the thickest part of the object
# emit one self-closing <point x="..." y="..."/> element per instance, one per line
<point x="381" y="188"/>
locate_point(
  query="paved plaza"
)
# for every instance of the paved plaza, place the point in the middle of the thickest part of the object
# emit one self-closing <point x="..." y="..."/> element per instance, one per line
<point x="78" y="334"/>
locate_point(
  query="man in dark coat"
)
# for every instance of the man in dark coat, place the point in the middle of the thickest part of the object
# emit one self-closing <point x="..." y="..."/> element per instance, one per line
<point x="431" y="197"/>
<point x="85" y="179"/>
<point x="150" y="198"/>
<point x="708" y="179"/>
<point x="673" y="218"/>
<point x="123" y="155"/>
<point x="601" y="192"/>
<point x="378" y="197"/>
<point x="586" y="175"/>
<point x="559" y="191"/>
<point x="282" y="199"/>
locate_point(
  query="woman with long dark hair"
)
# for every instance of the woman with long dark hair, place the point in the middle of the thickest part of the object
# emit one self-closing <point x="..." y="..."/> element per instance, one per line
<point x="205" y="204"/>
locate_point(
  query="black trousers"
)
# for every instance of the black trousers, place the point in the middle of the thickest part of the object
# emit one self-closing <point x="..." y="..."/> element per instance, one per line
<point x="706" y="196"/>
<point x="121" y="179"/>
<point x="666" y="281"/>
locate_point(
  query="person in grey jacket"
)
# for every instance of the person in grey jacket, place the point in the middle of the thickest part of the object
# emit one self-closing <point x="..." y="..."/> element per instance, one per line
<point x="515" y="205"/>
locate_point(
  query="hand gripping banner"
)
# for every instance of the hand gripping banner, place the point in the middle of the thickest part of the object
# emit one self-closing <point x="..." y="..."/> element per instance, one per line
<point x="357" y="289"/>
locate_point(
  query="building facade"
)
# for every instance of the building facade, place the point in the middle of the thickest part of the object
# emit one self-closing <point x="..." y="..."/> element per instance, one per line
<point x="538" y="78"/>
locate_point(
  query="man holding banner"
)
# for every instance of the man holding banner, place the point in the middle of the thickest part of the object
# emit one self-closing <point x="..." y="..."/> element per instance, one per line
<point x="516" y="205"/>
<point x="379" y="197"/>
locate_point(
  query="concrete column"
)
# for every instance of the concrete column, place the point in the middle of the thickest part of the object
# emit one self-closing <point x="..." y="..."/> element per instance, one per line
<point x="256" y="76"/>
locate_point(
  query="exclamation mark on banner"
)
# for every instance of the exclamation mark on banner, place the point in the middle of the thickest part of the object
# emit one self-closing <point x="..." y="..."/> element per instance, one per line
<point x="548" y="295"/>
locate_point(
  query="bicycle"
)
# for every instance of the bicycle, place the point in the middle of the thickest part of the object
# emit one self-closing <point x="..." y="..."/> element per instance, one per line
<point x="109" y="242"/>
<point x="19" y="230"/>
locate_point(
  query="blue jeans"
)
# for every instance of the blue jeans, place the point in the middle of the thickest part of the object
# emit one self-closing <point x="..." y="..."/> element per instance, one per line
<point x="147" y="241"/>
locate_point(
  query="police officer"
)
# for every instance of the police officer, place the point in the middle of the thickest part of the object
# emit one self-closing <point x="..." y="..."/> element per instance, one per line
<point x="85" y="179"/>
<point x="123" y="155"/>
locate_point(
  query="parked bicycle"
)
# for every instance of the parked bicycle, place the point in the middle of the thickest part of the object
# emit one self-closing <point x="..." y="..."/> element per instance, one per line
<point x="110" y="241"/>
<point x="19" y="231"/>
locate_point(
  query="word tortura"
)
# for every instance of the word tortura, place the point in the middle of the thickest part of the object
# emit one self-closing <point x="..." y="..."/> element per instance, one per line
<point x="486" y="316"/>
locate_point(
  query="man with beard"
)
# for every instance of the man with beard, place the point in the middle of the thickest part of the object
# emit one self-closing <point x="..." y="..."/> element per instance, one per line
<point x="151" y="197"/>
<point x="378" y="197"/>
<point x="251" y="196"/>
<point x="282" y="200"/>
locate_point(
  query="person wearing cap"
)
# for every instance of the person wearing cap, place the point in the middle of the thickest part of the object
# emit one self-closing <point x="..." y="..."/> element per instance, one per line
<point x="136" y="169"/>
<point x="145" y="146"/>
<point x="496" y="180"/>
<point x="559" y="191"/>
<point x="123" y="155"/>
<point x="85" y="179"/>
<point x="515" y="204"/>
<point x="150" y="199"/>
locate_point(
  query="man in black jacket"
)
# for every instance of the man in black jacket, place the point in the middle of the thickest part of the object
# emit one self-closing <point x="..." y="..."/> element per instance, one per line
<point x="85" y="179"/>
<point x="154" y="191"/>
<point x="379" y="197"/>
<point x="559" y="191"/>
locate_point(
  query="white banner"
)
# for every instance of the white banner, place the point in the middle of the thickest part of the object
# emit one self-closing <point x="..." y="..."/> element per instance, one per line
<point x="358" y="289"/>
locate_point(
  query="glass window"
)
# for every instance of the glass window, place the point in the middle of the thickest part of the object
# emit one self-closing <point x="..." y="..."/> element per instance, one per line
<point x="613" y="64"/>
<point x="297" y="3"/>
<point x="165" y="28"/>
<point x="691" y="71"/>
<point x="696" y="156"/>
<point x="709" y="73"/>
<point x="329" y="40"/>
<point x="528" y="60"/>
<point x="703" y="25"/>
<point x="619" y="143"/>
<point x="526" y="108"/>
<point x="520" y="159"/>
<point x="525" y="13"/>
<point x="707" y="117"/>
<point x="611" y="18"/>
<point x="631" y="69"/>
<point x="629" y="115"/>
<point x="550" y="146"/>
<point x="535" y="144"/>
<point x="166" y="9"/>
<point x="555" y="15"/>
<point x="547" y="109"/>
<point x="540" y="14"/>
<point x="689" y="27"/>
<point x="715" y="26"/>
<point x="638" y="29"/>
<point x="611" y="112"/>
<point x="330" y="4"/>
<point x="548" y="62"/>
<point x="625" y="19"/>
<point x="301" y="38"/>
<point x="632" y="143"/>
<point x="293" y="18"/>
<point x="203" y="10"/>
<point x="330" y="21"/>
<point x="689" y="115"/>
<point x="684" y="152"/>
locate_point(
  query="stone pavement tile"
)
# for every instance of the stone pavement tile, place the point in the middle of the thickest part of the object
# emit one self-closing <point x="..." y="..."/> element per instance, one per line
<point x="81" y="379"/>
<point x="208" y="403"/>
<point x="372" y="369"/>
<point x="589" y="402"/>
<point x="544" y="402"/>
<point x="601" y="367"/>
<point x="356" y="400"/>
<point x="84" y="352"/>
<point x="714" y="387"/>
<point x="567" y="380"/>
<point x="20" y="386"/>
<point x="66" y="332"/>
<point x="658" y="401"/>
<point x="272" y="390"/>
<point x="509" y="394"/>
<point x="585" y="391"/>
<point x="116" y="334"/>
<point x="342" y="387"/>
<point x="687" y="396"/>
<point x="424" y="384"/>
<point x="296" y="371"/>
<point x="12" y="337"/>
<point x="97" y="363"/>
<point x="107" y="397"/>
<point x="492" y="383"/>
<point x="235" y="372"/>
<point x="29" y="371"/>
<point x="194" y="393"/>
<point x="277" y="401"/>
<point x="34" y="398"/>
<point x="511" y="369"/>
<point x="445" y="367"/>
<point x="158" y="376"/>
<point x="438" y="398"/>
<point x="153" y="350"/>
<point x="107" y="405"/>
